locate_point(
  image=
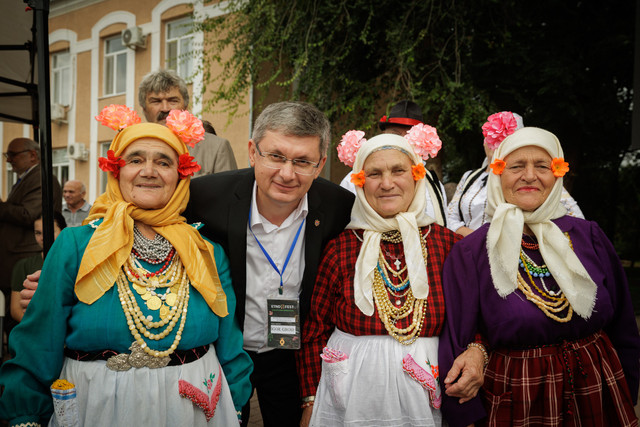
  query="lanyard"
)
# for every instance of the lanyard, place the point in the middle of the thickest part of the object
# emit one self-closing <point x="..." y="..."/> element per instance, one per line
<point x="266" y="254"/>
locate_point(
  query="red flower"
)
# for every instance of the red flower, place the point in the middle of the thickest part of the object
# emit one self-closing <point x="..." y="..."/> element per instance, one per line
<point x="111" y="163"/>
<point x="187" y="166"/>
<point x="418" y="171"/>
<point x="498" y="166"/>
<point x="358" y="178"/>
<point x="559" y="167"/>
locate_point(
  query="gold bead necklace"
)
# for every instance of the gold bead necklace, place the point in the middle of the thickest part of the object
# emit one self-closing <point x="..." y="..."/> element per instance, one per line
<point x="390" y="313"/>
<point x="139" y="324"/>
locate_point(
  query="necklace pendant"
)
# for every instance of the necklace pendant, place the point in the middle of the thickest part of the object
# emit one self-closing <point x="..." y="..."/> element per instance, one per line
<point x="398" y="302"/>
<point x="397" y="264"/>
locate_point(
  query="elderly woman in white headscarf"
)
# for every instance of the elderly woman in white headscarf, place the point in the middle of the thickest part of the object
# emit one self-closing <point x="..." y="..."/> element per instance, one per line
<point x="547" y="296"/>
<point x="370" y="343"/>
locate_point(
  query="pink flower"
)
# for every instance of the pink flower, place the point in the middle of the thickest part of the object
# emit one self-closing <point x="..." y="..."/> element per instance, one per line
<point x="187" y="166"/>
<point x="424" y="140"/>
<point x="498" y="127"/>
<point x="186" y="126"/>
<point x="118" y="117"/>
<point x="349" y="146"/>
<point x="111" y="163"/>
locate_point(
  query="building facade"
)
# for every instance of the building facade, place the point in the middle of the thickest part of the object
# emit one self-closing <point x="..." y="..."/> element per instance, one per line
<point x="99" y="52"/>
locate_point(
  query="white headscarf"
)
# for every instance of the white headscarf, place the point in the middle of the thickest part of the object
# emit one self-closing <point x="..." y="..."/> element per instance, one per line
<point x="364" y="217"/>
<point x="507" y="225"/>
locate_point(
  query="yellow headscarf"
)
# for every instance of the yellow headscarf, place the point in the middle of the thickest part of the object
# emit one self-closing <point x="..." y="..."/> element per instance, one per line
<point x="111" y="243"/>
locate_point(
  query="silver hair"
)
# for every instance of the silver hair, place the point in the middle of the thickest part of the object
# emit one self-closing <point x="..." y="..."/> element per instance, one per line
<point x="296" y="119"/>
<point x="162" y="81"/>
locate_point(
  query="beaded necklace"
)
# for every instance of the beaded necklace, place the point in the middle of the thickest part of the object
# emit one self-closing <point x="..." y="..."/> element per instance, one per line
<point x="155" y="250"/>
<point x="383" y="289"/>
<point x="172" y="304"/>
<point x="551" y="303"/>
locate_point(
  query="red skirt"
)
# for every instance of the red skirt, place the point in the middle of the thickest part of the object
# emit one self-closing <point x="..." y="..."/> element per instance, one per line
<point x="576" y="383"/>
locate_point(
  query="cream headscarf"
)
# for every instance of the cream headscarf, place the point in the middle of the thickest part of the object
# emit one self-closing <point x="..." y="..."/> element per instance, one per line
<point x="364" y="217"/>
<point x="507" y="224"/>
<point x="111" y="243"/>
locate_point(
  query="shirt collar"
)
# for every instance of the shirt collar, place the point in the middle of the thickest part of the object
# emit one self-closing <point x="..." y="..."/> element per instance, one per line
<point x="300" y="211"/>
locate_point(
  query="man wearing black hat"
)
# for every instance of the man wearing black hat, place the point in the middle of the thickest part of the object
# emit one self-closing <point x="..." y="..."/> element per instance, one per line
<point x="404" y="115"/>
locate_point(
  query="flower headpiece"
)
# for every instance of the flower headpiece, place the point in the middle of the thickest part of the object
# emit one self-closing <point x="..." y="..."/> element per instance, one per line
<point x="183" y="124"/>
<point x="423" y="138"/>
<point x="498" y="127"/>
<point x="558" y="166"/>
<point x="349" y="146"/>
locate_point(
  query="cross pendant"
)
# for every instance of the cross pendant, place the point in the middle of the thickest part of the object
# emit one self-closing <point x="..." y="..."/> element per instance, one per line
<point x="397" y="264"/>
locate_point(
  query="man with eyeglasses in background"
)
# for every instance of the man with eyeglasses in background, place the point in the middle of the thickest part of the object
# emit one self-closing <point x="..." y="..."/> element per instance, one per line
<point x="273" y="221"/>
<point x="21" y="209"/>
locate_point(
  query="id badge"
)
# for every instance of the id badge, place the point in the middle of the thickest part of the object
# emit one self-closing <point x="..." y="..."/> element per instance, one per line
<point x="284" y="323"/>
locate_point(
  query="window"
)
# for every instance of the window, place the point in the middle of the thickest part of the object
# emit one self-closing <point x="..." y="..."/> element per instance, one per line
<point x="180" y="47"/>
<point x="60" y="163"/>
<point x="61" y="78"/>
<point x="115" y="66"/>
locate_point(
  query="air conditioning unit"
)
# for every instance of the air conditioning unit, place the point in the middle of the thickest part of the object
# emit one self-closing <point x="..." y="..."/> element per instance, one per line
<point x="78" y="151"/>
<point x="132" y="38"/>
<point x="58" y="113"/>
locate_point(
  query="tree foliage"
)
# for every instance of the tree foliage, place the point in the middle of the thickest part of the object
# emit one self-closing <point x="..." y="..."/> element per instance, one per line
<point x="564" y="66"/>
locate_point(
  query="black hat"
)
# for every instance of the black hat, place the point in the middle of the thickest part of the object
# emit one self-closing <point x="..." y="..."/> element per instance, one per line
<point x="404" y="113"/>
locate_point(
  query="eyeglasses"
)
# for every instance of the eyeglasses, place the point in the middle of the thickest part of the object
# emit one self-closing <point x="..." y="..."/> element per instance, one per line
<point x="12" y="154"/>
<point x="277" y="161"/>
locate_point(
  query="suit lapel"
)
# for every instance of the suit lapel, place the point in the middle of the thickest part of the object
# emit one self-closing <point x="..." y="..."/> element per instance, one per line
<point x="238" y="216"/>
<point x="312" y="247"/>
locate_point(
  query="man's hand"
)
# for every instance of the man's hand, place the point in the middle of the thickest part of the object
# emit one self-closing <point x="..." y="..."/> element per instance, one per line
<point x="30" y="285"/>
<point x="471" y="365"/>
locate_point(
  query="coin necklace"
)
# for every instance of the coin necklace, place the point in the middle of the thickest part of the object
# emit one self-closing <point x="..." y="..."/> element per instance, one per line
<point x="147" y="284"/>
<point x="140" y="325"/>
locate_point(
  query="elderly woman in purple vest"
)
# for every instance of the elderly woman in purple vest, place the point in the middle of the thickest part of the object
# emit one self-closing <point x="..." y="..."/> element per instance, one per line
<point x="546" y="297"/>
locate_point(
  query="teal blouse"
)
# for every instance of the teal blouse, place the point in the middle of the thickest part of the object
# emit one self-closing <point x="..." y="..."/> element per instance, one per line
<point x="55" y="318"/>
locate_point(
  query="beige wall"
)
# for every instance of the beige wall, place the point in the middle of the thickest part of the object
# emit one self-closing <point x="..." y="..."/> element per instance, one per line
<point x="82" y="31"/>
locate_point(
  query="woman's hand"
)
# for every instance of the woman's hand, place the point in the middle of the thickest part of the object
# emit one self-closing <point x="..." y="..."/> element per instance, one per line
<point x="464" y="231"/>
<point x="470" y="367"/>
<point x="306" y="416"/>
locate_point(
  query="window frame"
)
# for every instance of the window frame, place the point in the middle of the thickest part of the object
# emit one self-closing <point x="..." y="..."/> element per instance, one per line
<point x="184" y="62"/>
<point x="112" y="59"/>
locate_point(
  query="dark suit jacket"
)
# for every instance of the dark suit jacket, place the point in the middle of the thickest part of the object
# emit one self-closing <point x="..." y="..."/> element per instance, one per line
<point x="222" y="202"/>
<point x="17" y="215"/>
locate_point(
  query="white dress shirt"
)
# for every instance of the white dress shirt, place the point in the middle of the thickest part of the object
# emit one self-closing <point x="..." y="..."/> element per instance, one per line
<point x="262" y="279"/>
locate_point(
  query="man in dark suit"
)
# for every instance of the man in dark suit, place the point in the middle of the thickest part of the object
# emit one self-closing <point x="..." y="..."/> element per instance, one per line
<point x="22" y="208"/>
<point x="274" y="220"/>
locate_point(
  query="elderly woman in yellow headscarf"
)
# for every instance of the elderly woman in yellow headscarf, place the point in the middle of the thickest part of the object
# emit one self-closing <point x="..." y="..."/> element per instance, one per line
<point x="134" y="310"/>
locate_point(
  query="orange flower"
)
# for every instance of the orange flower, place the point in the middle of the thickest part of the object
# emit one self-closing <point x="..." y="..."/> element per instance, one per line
<point x="559" y="167"/>
<point x="498" y="166"/>
<point x="358" y="178"/>
<point x="418" y="171"/>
